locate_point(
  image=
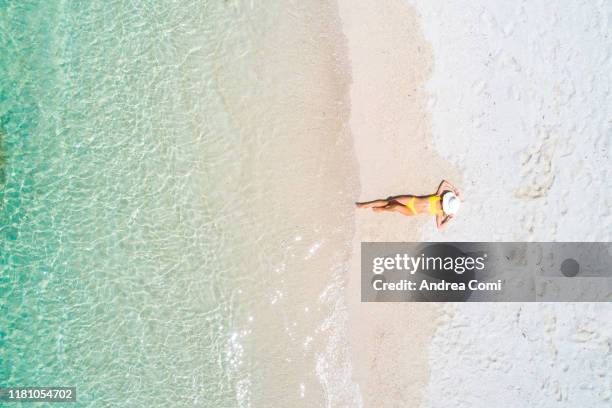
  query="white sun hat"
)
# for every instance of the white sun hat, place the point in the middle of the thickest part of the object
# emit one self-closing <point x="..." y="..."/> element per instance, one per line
<point x="450" y="203"/>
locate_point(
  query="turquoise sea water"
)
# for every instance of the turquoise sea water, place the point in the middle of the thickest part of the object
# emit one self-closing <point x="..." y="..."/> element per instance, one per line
<point x="105" y="227"/>
<point x="126" y="137"/>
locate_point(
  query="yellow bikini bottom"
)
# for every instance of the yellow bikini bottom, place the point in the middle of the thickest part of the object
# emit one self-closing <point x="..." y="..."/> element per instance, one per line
<point x="410" y="204"/>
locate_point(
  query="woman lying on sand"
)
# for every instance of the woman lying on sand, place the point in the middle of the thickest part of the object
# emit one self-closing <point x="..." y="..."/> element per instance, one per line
<point x="444" y="204"/>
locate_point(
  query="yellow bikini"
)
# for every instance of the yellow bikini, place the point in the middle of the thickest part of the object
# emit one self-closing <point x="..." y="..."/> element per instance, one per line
<point x="432" y="205"/>
<point x="410" y="204"/>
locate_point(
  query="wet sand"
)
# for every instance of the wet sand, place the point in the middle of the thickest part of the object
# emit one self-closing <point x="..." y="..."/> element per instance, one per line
<point x="390" y="62"/>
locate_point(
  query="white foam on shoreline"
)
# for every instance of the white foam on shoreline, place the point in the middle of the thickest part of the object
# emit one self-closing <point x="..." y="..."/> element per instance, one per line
<point x="334" y="366"/>
<point x="520" y="99"/>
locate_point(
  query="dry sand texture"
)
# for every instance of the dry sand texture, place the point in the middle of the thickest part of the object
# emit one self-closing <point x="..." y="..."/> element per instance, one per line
<point x="520" y="100"/>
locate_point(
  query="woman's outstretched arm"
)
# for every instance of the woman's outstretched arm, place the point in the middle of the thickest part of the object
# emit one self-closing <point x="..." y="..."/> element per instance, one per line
<point x="442" y="221"/>
<point x="446" y="186"/>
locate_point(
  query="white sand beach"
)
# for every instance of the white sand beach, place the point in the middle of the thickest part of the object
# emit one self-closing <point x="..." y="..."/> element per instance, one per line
<point x="520" y="101"/>
<point x="390" y="63"/>
<point x="511" y="102"/>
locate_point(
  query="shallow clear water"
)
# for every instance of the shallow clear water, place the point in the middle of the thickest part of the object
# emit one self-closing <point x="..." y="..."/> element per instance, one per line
<point x="165" y="173"/>
<point x="105" y="228"/>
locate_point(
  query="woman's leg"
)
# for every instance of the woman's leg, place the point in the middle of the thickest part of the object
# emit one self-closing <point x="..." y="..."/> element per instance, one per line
<point x="403" y="199"/>
<point x="394" y="207"/>
<point x="375" y="204"/>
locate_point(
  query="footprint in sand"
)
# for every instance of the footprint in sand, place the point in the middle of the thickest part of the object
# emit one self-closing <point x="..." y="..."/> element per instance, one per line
<point x="538" y="166"/>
